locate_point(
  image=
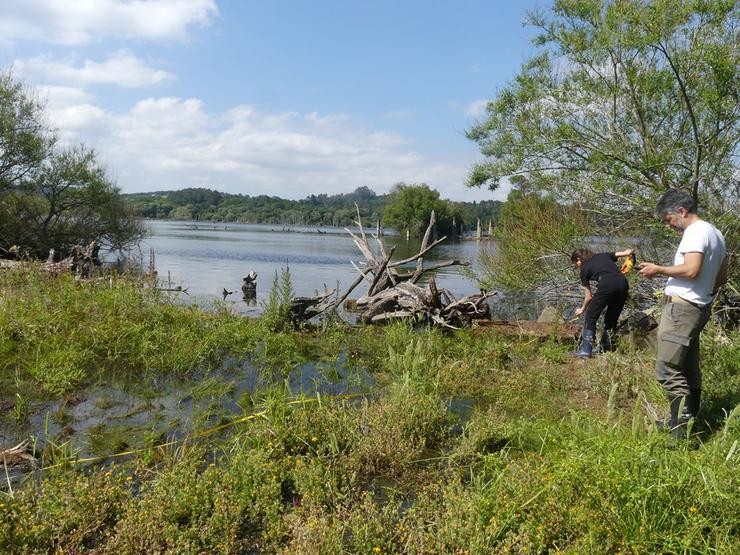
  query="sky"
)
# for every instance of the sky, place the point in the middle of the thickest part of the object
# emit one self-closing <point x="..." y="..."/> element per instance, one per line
<point x="276" y="97"/>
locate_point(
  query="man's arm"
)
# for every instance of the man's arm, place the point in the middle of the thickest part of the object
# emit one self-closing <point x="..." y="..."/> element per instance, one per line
<point x="721" y="275"/>
<point x="689" y="269"/>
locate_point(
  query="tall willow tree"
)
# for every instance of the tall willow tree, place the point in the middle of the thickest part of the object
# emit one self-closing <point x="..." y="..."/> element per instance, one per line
<point x="625" y="99"/>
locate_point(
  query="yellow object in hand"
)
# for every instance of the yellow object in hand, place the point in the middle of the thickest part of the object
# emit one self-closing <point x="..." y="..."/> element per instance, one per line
<point x="628" y="264"/>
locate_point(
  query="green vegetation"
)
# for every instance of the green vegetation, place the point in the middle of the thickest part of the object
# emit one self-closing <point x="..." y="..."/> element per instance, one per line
<point x="57" y="334"/>
<point x="534" y="236"/>
<point x="470" y="442"/>
<point x="314" y="210"/>
<point x="623" y="100"/>
<point x="52" y="197"/>
<point x="410" y="206"/>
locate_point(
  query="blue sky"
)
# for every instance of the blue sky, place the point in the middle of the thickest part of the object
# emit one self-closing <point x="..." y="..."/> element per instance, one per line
<point x="284" y="98"/>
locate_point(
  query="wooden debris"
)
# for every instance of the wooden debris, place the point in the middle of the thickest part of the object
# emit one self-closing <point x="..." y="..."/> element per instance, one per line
<point x="20" y="455"/>
<point x="393" y="295"/>
<point x="305" y="308"/>
<point x="396" y="295"/>
<point x="10" y="264"/>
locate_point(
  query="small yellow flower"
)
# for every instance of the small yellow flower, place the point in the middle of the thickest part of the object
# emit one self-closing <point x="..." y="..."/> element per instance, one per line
<point x="376" y="549"/>
<point x="314" y="439"/>
<point x="693" y="509"/>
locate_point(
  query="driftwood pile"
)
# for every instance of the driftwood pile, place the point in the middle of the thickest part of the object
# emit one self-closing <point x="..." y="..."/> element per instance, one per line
<point x="395" y="294"/>
<point x="82" y="261"/>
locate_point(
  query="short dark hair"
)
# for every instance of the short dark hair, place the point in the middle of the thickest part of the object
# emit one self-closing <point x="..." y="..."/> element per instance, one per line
<point x="581" y="254"/>
<point x="672" y="200"/>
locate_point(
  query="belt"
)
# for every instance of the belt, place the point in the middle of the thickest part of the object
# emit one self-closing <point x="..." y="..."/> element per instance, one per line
<point x="680" y="300"/>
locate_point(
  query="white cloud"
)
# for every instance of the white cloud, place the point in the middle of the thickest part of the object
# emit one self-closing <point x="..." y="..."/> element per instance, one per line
<point x="170" y="143"/>
<point x="476" y="109"/>
<point x="120" y="68"/>
<point x="74" y="22"/>
<point x="72" y="108"/>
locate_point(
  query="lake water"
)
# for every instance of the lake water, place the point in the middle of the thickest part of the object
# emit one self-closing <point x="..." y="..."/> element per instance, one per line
<point x="206" y="258"/>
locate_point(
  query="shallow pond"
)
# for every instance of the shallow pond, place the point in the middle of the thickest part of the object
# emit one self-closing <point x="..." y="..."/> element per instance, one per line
<point x="109" y="418"/>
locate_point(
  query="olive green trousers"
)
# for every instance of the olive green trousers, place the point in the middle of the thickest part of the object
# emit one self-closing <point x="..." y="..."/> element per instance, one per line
<point x="677" y="362"/>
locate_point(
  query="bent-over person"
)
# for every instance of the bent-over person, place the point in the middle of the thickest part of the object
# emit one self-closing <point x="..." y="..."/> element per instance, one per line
<point x="611" y="293"/>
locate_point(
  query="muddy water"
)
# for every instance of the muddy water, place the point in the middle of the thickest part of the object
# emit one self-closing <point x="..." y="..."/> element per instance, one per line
<point x="109" y="418"/>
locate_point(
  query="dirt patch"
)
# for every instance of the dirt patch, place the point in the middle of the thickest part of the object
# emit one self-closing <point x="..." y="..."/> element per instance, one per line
<point x="560" y="331"/>
<point x="572" y="377"/>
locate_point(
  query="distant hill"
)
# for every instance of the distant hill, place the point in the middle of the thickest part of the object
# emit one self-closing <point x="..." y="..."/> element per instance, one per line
<point x="314" y="210"/>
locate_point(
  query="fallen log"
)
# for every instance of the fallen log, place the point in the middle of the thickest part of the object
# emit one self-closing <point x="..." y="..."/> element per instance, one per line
<point x="556" y="330"/>
<point x="305" y="308"/>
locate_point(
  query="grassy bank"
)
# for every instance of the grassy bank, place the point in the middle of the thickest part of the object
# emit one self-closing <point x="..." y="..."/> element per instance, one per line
<point x="470" y="443"/>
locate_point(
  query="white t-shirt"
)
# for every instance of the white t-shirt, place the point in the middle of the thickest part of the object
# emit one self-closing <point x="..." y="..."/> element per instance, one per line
<point x="700" y="237"/>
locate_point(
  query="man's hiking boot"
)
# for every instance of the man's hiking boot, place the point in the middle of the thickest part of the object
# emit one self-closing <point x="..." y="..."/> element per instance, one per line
<point x="678" y="422"/>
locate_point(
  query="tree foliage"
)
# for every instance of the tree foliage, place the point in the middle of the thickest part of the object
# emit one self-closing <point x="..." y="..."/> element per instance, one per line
<point x="625" y="99"/>
<point x="410" y="207"/>
<point x="535" y="236"/>
<point x="24" y="137"/>
<point x="52" y="197"/>
<point x="314" y="210"/>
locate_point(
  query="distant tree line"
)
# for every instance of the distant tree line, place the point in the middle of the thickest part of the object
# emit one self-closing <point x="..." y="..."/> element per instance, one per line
<point x="405" y="203"/>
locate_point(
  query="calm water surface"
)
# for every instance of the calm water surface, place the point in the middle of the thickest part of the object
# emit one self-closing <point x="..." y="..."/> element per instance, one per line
<point x="207" y="258"/>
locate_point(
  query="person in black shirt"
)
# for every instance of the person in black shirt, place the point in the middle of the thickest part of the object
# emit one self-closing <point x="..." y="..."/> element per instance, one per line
<point x="611" y="294"/>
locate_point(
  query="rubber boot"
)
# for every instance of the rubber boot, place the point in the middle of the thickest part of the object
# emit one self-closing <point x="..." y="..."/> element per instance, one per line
<point x="692" y="402"/>
<point x="680" y="417"/>
<point x="606" y="343"/>
<point x="587" y="344"/>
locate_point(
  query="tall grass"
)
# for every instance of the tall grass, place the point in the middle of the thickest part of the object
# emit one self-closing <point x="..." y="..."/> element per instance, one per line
<point x="555" y="455"/>
<point x="61" y="334"/>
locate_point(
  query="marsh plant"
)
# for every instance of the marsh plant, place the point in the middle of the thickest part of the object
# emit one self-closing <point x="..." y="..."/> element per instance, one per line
<point x="276" y="316"/>
<point x="552" y="455"/>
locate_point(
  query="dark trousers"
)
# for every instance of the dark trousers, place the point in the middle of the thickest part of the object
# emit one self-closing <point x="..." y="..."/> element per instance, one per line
<point x="611" y="294"/>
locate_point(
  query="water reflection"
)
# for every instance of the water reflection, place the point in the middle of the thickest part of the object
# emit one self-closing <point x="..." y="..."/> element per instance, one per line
<point x="209" y="259"/>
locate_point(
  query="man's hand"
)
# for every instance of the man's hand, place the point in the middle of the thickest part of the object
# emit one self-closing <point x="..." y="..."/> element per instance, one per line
<point x="690" y="268"/>
<point x="648" y="269"/>
<point x="579" y="311"/>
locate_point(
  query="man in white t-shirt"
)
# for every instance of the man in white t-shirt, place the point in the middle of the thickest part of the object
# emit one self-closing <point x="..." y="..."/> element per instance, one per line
<point x="699" y="269"/>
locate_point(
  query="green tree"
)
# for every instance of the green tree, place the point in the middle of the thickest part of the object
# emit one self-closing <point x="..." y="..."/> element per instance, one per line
<point x="410" y="206"/>
<point x="52" y="197"/>
<point x="25" y="140"/>
<point x="535" y="236"/>
<point x="181" y="213"/>
<point x="625" y="99"/>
